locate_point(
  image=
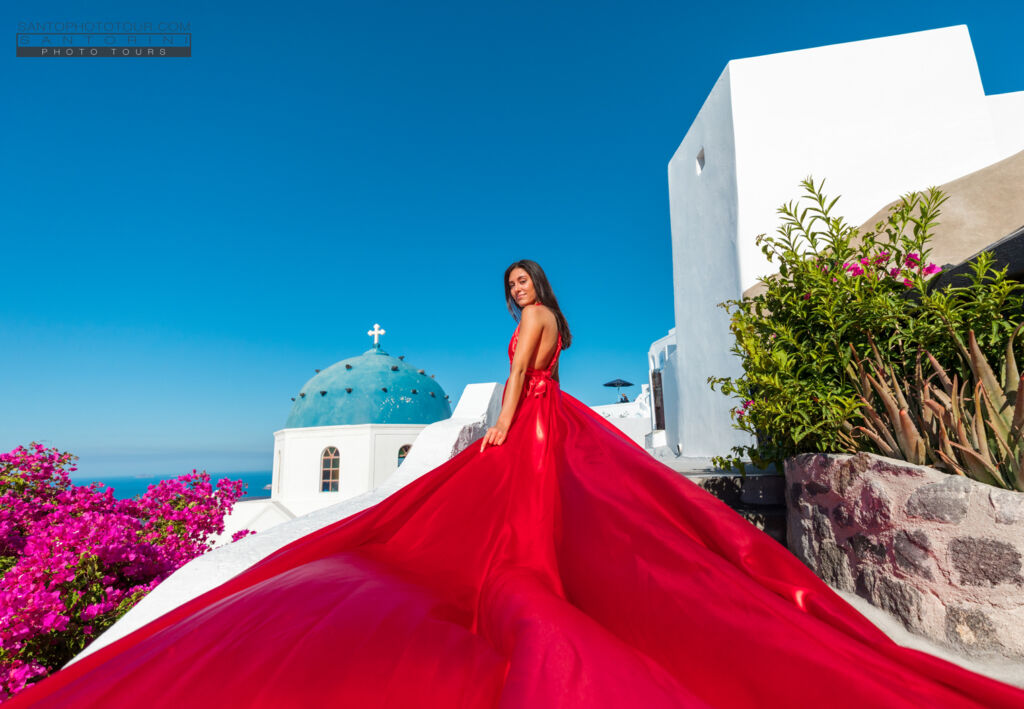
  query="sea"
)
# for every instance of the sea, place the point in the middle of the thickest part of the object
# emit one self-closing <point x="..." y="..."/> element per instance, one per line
<point x="257" y="484"/>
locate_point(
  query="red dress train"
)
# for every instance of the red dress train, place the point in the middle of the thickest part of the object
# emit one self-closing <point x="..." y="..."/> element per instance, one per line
<point x="563" y="568"/>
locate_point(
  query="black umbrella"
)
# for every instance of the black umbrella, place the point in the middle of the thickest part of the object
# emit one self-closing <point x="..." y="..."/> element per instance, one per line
<point x="618" y="383"/>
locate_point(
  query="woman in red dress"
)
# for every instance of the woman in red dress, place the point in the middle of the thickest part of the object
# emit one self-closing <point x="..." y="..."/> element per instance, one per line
<point x="555" y="565"/>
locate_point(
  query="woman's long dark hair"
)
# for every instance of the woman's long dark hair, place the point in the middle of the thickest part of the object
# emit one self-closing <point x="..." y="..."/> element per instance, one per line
<point x="545" y="296"/>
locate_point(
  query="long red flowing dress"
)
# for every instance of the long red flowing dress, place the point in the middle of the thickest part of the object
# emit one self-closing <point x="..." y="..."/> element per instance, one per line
<point x="564" y="568"/>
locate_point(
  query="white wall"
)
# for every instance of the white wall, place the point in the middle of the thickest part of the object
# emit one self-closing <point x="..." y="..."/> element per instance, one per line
<point x="663" y="356"/>
<point x="385" y="450"/>
<point x="254" y="515"/>
<point x="705" y="272"/>
<point x="1007" y="111"/>
<point x="369" y="455"/>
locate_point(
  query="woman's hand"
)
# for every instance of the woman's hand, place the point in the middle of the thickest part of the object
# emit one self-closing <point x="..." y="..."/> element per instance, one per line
<point x="495" y="435"/>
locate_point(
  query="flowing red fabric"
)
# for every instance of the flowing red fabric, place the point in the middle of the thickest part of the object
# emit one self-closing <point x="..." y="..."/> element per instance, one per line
<point x="565" y="567"/>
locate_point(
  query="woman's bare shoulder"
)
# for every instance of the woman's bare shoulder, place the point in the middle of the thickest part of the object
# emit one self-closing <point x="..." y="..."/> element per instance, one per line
<point x="539" y="312"/>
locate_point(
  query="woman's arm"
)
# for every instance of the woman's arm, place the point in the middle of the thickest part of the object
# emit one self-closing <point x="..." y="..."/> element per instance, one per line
<point x="530" y="328"/>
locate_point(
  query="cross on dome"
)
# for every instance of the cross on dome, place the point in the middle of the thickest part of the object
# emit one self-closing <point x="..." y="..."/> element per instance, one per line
<point x="375" y="333"/>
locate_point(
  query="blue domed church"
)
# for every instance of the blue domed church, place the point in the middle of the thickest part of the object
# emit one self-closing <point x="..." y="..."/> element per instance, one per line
<point x="351" y="426"/>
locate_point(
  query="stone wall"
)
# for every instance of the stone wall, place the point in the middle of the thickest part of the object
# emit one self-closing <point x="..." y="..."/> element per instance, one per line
<point x="940" y="552"/>
<point x="760" y="498"/>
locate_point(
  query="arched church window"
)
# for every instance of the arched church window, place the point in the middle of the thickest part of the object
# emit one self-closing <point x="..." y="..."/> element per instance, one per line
<point x="403" y="451"/>
<point x="330" y="469"/>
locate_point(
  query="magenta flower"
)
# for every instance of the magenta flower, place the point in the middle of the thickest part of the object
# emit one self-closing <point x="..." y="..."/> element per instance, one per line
<point x="743" y="408"/>
<point x="931" y="268"/>
<point x="907" y="282"/>
<point x="82" y="557"/>
<point x="894" y="272"/>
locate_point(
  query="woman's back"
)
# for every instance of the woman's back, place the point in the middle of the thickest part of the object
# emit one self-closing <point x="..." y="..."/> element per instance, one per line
<point x="549" y="346"/>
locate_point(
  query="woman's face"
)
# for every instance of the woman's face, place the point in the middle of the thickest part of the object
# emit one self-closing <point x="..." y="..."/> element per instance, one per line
<point x="520" y="285"/>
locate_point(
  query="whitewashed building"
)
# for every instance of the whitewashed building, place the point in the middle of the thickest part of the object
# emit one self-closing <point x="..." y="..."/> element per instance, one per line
<point x="350" y="427"/>
<point x="876" y="118"/>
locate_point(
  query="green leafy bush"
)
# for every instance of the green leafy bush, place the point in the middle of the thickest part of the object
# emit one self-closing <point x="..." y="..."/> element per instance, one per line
<point x="836" y="291"/>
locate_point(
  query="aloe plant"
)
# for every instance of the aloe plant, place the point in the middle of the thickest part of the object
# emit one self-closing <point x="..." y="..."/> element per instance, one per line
<point x="973" y="428"/>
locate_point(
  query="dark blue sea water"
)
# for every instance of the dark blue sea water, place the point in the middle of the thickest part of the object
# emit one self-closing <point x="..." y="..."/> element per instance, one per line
<point x="126" y="487"/>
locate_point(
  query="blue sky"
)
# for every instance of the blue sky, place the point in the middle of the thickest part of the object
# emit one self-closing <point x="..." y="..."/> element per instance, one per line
<point x="186" y="240"/>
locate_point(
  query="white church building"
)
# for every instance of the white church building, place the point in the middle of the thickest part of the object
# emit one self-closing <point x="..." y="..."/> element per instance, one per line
<point x="350" y="428"/>
<point x="876" y="118"/>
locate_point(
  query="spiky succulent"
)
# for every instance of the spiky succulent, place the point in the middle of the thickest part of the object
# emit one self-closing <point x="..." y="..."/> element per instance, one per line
<point x="973" y="428"/>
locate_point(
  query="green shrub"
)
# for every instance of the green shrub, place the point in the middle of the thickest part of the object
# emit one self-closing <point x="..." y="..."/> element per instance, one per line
<point x="837" y="289"/>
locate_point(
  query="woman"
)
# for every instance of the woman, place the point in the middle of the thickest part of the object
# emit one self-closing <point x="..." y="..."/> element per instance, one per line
<point x="556" y="564"/>
<point x="541" y="335"/>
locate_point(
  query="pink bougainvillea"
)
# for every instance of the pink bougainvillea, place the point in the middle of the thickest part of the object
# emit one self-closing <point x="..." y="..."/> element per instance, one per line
<point x="73" y="559"/>
<point x="742" y="411"/>
<point x="911" y="265"/>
